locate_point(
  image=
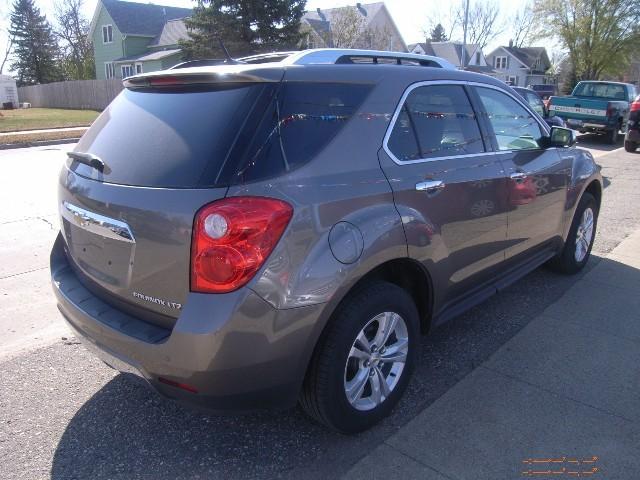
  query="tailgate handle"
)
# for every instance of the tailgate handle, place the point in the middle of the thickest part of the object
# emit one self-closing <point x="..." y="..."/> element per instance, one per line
<point x="96" y="223"/>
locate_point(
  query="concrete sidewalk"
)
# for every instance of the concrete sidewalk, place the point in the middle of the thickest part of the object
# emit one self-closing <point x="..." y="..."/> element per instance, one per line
<point x="566" y="387"/>
<point x="45" y="130"/>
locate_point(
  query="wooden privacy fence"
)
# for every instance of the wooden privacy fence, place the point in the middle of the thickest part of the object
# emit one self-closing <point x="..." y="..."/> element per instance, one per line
<point x="76" y="94"/>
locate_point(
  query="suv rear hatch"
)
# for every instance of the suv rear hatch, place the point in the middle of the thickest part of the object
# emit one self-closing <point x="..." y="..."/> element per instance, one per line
<point x="136" y="179"/>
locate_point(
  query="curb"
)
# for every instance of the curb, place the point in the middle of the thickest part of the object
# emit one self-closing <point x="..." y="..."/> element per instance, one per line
<point x="30" y="130"/>
<point x="43" y="143"/>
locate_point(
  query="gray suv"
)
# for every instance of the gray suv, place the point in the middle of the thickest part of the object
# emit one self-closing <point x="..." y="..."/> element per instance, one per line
<point x="254" y="235"/>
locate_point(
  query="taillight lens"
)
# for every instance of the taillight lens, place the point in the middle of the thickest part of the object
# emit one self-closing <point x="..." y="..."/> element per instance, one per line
<point x="611" y="110"/>
<point x="231" y="240"/>
<point x="635" y="106"/>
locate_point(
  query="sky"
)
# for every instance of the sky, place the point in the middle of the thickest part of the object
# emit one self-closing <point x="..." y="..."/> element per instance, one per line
<point x="411" y="16"/>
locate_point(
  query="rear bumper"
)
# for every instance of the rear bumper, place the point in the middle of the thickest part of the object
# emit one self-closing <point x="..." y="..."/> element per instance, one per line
<point x="588" y="125"/>
<point x="235" y="350"/>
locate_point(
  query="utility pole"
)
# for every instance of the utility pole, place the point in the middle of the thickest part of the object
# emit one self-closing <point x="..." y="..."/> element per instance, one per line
<point x="464" y="34"/>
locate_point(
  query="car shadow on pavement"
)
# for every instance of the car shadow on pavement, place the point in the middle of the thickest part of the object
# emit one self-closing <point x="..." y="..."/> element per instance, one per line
<point x="594" y="141"/>
<point x="127" y="431"/>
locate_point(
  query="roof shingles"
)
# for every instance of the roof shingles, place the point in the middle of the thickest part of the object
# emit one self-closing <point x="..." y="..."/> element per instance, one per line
<point x="142" y="18"/>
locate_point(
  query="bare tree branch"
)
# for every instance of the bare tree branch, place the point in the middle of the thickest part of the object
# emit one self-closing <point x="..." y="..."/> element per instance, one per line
<point x="523" y="27"/>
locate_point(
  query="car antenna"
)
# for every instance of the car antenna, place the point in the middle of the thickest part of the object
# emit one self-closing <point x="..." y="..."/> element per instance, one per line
<point x="229" y="59"/>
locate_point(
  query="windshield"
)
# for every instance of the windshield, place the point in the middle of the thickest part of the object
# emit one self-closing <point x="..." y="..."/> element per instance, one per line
<point x="613" y="91"/>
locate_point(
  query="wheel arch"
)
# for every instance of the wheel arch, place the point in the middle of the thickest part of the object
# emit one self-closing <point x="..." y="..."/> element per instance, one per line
<point x="405" y="272"/>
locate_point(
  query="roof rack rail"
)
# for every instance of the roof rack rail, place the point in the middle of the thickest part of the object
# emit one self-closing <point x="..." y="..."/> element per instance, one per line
<point x="267" y="57"/>
<point x="329" y="56"/>
<point x="354" y="56"/>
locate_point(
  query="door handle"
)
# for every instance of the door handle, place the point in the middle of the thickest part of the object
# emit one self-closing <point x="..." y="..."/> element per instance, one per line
<point x="430" y="186"/>
<point x="518" y="177"/>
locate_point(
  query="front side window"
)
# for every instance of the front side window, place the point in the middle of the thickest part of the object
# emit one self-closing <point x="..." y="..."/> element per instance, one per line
<point x="107" y="34"/>
<point x="514" y="127"/>
<point x="435" y="121"/>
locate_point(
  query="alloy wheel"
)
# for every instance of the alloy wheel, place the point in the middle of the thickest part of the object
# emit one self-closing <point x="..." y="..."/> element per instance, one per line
<point x="376" y="361"/>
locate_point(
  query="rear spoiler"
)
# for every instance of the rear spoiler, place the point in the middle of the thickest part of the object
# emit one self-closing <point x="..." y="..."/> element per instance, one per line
<point x="204" y="76"/>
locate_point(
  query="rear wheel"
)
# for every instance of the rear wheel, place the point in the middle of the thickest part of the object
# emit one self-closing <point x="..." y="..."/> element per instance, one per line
<point x="362" y="365"/>
<point x="577" y="248"/>
<point x="630" y="146"/>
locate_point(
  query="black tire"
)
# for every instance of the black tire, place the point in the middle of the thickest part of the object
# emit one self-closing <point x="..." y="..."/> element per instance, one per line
<point x="612" y="136"/>
<point x="323" y="396"/>
<point x="565" y="262"/>
<point x="630" y="146"/>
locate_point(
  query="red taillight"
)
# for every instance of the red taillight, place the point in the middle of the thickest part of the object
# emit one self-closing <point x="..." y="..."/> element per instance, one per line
<point x="635" y="106"/>
<point x="231" y="240"/>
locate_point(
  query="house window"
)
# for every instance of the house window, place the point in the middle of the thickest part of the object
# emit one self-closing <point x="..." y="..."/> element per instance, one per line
<point x="138" y="68"/>
<point x="477" y="58"/>
<point x="511" y="80"/>
<point x="501" y="62"/>
<point x="107" y="34"/>
<point x="127" y="71"/>
<point x="109" y="70"/>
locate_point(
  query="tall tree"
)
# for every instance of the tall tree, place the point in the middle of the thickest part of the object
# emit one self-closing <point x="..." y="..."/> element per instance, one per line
<point x="523" y="26"/>
<point x="438" y="34"/>
<point x="8" y="47"/>
<point x="245" y="26"/>
<point x="483" y="24"/>
<point x="73" y="31"/>
<point x="36" y="50"/>
<point x="599" y="35"/>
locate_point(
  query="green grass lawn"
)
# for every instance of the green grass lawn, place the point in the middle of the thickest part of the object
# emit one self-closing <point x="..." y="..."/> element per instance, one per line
<point x="34" y="118"/>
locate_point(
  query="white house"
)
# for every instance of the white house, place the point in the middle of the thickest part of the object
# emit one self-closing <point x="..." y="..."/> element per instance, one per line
<point x="521" y="66"/>
<point x="378" y="30"/>
<point x="474" y="58"/>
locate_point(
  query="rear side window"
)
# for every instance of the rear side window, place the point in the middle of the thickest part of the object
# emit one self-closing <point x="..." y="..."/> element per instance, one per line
<point x="435" y="121"/>
<point x="514" y="127"/>
<point x="298" y="123"/>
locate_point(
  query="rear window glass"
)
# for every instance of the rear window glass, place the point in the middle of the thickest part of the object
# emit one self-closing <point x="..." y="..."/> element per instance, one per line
<point x="601" y="90"/>
<point x="187" y="139"/>
<point x="167" y="139"/>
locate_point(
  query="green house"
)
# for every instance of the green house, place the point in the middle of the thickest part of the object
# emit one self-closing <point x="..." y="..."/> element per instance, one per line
<point x="130" y="38"/>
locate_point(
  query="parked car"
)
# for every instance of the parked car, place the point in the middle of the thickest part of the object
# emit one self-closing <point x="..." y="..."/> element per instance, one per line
<point x="249" y="236"/>
<point x="632" y="138"/>
<point x="538" y="106"/>
<point x="545" y="91"/>
<point x="597" y="107"/>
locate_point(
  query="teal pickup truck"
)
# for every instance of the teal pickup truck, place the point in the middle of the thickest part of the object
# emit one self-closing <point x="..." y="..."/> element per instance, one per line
<point x="598" y="107"/>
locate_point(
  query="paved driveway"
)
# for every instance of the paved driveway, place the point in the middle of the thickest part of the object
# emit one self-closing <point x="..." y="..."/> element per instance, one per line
<point x="65" y="415"/>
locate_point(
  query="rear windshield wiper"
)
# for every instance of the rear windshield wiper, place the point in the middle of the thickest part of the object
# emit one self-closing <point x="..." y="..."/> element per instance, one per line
<point x="87" y="159"/>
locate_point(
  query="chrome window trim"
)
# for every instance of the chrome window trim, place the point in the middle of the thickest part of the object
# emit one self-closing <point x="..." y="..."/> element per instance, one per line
<point x="427" y="83"/>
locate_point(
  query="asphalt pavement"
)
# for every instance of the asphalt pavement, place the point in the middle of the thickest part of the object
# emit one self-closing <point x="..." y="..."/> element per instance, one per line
<point x="63" y="414"/>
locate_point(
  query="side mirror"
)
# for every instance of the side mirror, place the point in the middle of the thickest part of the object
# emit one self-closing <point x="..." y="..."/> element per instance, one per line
<point x="562" y="137"/>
